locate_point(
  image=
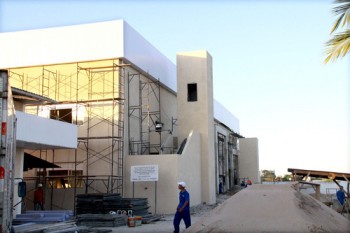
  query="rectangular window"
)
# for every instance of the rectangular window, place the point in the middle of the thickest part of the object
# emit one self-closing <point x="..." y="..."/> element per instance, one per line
<point x="70" y="113"/>
<point x="62" y="115"/>
<point x="192" y="92"/>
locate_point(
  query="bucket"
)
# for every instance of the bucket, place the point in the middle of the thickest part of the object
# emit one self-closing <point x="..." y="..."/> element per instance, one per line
<point x="131" y="222"/>
<point x="138" y="221"/>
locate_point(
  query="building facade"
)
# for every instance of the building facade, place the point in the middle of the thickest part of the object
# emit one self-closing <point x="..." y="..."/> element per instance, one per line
<point x="133" y="108"/>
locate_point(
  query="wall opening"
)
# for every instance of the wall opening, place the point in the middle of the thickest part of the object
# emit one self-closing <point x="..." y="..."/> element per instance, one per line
<point x="222" y="166"/>
<point x="61" y="115"/>
<point x="192" y="92"/>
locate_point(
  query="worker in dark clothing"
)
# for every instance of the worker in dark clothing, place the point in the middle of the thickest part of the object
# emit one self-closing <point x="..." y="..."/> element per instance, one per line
<point x="183" y="208"/>
<point x="39" y="198"/>
<point x="341" y="195"/>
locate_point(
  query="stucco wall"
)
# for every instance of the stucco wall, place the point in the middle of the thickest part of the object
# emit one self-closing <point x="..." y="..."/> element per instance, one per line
<point x="160" y="194"/>
<point x="189" y="167"/>
<point x="249" y="159"/>
<point x="38" y="130"/>
<point x="163" y="194"/>
<point x="196" y="68"/>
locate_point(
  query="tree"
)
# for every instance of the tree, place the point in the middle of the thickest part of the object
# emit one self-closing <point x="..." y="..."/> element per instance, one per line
<point x="339" y="45"/>
<point x="267" y="175"/>
<point x="287" y="177"/>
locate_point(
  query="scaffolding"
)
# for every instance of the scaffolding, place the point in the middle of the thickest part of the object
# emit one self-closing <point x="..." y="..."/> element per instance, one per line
<point x="93" y="96"/>
<point x="144" y="115"/>
<point x="95" y="90"/>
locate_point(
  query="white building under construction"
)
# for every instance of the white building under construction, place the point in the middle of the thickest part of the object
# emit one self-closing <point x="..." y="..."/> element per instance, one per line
<point x="106" y="112"/>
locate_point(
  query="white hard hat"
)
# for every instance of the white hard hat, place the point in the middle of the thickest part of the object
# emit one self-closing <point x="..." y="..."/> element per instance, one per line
<point x="40" y="185"/>
<point x="182" y="183"/>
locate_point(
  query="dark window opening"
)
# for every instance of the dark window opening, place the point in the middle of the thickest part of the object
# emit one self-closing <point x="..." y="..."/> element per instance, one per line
<point x="192" y="92"/>
<point x="62" y="115"/>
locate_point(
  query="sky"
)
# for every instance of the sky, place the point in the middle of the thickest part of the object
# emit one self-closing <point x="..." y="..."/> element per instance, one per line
<point x="268" y="65"/>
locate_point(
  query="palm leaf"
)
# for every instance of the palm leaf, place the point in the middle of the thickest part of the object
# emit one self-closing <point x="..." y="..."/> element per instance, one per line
<point x="338" y="46"/>
<point x="337" y="23"/>
<point x="343" y="10"/>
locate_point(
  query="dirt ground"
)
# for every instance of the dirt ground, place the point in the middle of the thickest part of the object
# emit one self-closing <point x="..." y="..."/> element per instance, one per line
<point x="258" y="208"/>
<point x="272" y="208"/>
<point x="165" y="225"/>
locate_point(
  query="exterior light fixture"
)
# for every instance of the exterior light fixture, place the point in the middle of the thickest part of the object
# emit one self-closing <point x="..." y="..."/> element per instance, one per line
<point x="159" y="126"/>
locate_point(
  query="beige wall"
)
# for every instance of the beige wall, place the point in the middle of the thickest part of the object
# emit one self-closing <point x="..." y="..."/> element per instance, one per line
<point x="249" y="159"/>
<point x="189" y="167"/>
<point x="196" y="67"/>
<point x="163" y="194"/>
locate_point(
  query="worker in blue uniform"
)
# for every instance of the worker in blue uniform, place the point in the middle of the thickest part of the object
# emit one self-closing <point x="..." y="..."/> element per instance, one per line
<point x="341" y="195"/>
<point x="183" y="208"/>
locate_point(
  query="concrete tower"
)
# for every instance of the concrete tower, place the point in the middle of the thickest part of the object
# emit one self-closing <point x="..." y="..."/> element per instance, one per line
<point x="195" y="112"/>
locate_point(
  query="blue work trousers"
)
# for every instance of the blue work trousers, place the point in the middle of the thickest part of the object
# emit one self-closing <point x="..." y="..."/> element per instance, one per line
<point x="185" y="215"/>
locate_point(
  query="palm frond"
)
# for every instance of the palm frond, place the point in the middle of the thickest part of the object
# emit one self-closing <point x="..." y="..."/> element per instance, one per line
<point x="347" y="17"/>
<point x="337" y="23"/>
<point x="343" y="11"/>
<point x="341" y="1"/>
<point x="338" y="46"/>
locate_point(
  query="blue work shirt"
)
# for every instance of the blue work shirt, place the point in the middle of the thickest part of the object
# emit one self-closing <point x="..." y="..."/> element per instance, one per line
<point x="183" y="197"/>
<point x="341" y="197"/>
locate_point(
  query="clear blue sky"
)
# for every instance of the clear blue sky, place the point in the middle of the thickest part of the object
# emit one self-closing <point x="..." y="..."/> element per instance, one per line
<point x="267" y="58"/>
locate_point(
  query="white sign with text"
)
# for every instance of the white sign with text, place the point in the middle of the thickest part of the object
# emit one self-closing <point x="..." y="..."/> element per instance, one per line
<point x="144" y="173"/>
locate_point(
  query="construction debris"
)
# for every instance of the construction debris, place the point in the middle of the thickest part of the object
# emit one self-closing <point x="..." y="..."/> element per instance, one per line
<point x="64" y="227"/>
<point x="150" y="218"/>
<point x="43" y="216"/>
<point x="110" y="210"/>
<point x="102" y="220"/>
<point x="67" y="227"/>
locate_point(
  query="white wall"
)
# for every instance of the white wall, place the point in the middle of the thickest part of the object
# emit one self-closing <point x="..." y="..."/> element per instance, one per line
<point x="163" y="194"/>
<point x="249" y="159"/>
<point x="225" y="116"/>
<point x="46" y="132"/>
<point x="84" y="42"/>
<point x="144" y="55"/>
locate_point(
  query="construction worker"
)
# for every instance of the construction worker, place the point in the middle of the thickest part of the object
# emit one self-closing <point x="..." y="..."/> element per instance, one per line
<point x="183" y="208"/>
<point x="249" y="182"/>
<point x="39" y="198"/>
<point x="341" y="195"/>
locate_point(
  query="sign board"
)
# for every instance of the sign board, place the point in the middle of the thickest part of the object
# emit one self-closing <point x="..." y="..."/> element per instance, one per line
<point x="144" y="173"/>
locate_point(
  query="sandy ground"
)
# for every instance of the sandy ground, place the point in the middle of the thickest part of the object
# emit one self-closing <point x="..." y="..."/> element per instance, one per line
<point x="272" y="208"/>
<point x="165" y="225"/>
<point x="258" y="208"/>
